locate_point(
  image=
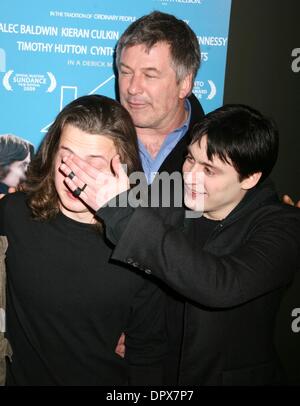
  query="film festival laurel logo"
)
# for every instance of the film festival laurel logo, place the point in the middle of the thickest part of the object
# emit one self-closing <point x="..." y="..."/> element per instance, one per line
<point x="28" y="82"/>
<point x="201" y="89"/>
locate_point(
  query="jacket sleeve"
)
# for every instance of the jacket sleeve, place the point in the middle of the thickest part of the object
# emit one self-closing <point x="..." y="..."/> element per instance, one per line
<point x="145" y="336"/>
<point x="265" y="262"/>
<point x="116" y="220"/>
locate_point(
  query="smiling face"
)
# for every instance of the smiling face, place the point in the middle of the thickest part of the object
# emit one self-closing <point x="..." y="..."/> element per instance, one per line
<point x="97" y="150"/>
<point x="215" y="183"/>
<point x="149" y="89"/>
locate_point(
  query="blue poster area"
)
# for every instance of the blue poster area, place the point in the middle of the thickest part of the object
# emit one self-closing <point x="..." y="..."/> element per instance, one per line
<point x="55" y="51"/>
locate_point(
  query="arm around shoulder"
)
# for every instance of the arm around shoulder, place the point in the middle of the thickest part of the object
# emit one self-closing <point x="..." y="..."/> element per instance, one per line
<point x="265" y="261"/>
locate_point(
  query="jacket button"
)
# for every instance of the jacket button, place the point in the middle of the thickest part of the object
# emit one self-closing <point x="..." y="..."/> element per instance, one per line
<point x="135" y="264"/>
<point x="148" y="271"/>
<point x="129" y="260"/>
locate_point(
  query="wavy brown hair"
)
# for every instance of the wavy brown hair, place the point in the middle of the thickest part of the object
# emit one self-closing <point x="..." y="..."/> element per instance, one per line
<point x="93" y="114"/>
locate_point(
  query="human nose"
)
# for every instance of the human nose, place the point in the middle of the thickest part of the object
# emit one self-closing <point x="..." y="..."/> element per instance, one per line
<point x="135" y="85"/>
<point x="193" y="174"/>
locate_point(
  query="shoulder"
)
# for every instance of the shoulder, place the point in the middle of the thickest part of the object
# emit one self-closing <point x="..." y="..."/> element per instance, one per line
<point x="197" y="110"/>
<point x="280" y="212"/>
<point x="289" y="217"/>
<point x="278" y="220"/>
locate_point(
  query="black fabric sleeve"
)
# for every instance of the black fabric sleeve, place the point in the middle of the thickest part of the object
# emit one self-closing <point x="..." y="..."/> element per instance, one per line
<point x="145" y="336"/>
<point x="116" y="218"/>
<point x="266" y="261"/>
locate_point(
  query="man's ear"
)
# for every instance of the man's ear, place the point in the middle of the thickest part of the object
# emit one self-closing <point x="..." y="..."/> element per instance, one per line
<point x="251" y="181"/>
<point x="186" y="86"/>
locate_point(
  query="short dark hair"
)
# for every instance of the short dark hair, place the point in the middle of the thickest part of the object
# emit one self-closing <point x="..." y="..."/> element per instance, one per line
<point x="161" y="27"/>
<point x="93" y="114"/>
<point x="241" y="134"/>
<point x="12" y="149"/>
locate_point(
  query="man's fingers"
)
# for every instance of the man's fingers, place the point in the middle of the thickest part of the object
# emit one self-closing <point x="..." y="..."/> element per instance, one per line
<point x="81" y="168"/>
<point x="120" y="350"/>
<point x="76" y="174"/>
<point x="287" y="200"/>
<point x="75" y="183"/>
<point x="116" y="165"/>
<point x="122" y="339"/>
<point x="119" y="170"/>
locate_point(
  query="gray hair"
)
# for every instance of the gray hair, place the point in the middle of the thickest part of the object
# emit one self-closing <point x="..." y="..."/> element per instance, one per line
<point x="161" y="27"/>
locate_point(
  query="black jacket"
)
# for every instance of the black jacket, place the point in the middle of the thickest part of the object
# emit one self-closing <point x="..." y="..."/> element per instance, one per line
<point x="233" y="285"/>
<point x="175" y="305"/>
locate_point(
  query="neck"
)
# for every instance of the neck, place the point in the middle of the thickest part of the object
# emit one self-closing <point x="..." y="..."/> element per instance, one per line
<point x="86" y="217"/>
<point x="224" y="212"/>
<point x="153" y="138"/>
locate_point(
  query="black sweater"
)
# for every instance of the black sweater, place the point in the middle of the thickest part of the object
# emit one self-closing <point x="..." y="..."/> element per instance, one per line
<point x="67" y="304"/>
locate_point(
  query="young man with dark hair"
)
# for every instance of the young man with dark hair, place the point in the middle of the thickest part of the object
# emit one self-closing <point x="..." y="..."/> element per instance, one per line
<point x="230" y="265"/>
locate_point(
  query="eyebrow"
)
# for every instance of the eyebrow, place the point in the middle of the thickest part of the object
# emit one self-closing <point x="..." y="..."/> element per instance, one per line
<point x="88" y="156"/>
<point x="152" y="69"/>
<point x="203" y="162"/>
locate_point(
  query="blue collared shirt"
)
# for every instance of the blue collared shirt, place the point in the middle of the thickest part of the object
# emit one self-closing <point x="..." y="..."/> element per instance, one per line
<point x="150" y="165"/>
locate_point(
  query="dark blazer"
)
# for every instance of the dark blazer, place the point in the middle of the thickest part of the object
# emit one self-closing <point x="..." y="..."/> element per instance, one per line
<point x="175" y="304"/>
<point x="232" y="286"/>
